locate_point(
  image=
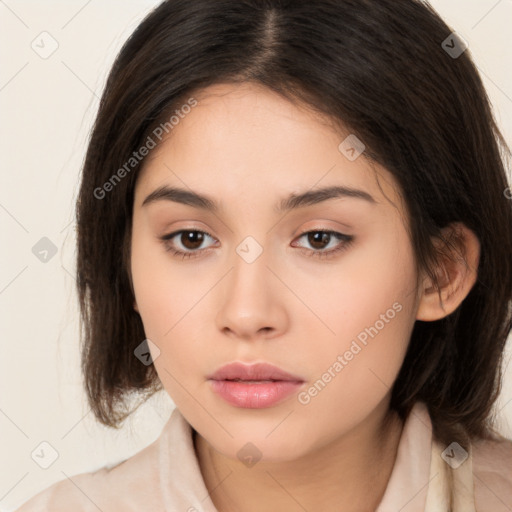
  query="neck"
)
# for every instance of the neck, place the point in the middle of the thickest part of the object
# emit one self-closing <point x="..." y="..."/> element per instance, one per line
<point x="349" y="474"/>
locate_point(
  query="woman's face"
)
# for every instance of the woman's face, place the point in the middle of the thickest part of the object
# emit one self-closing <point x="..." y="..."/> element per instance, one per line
<point x="254" y="287"/>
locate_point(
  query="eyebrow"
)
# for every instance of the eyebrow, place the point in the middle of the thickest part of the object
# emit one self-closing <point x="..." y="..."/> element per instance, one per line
<point x="293" y="201"/>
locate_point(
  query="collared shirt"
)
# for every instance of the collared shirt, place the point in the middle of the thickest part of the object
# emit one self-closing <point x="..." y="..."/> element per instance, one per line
<point x="165" y="476"/>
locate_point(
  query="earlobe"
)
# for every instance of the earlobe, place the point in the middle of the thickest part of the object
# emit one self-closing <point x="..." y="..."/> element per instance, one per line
<point x="457" y="272"/>
<point x="135" y="307"/>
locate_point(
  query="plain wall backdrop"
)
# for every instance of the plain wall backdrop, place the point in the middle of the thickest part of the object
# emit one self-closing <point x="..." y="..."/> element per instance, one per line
<point x="55" y="58"/>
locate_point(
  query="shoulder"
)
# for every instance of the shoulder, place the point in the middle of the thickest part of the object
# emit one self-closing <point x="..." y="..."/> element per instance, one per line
<point x="492" y="471"/>
<point x="163" y="476"/>
<point x="129" y="485"/>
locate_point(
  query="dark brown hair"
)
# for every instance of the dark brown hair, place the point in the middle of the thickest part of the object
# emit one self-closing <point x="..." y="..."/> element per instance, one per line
<point x="380" y="69"/>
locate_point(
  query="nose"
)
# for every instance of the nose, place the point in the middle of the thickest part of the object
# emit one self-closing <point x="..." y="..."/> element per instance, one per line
<point x="251" y="301"/>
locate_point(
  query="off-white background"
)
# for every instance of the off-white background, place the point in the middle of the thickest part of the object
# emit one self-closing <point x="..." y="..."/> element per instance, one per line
<point x="47" y="107"/>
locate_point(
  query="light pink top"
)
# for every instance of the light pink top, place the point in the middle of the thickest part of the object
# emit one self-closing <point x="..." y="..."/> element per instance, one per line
<point x="165" y="476"/>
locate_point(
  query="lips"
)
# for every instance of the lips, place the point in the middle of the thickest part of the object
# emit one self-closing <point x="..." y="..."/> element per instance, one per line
<point x="255" y="386"/>
<point x="256" y="373"/>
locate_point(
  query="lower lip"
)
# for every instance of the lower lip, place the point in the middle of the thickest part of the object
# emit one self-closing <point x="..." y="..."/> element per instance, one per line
<point x="254" y="395"/>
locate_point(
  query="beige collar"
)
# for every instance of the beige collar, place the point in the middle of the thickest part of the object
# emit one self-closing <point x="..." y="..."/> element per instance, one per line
<point x="450" y="488"/>
<point x="419" y="482"/>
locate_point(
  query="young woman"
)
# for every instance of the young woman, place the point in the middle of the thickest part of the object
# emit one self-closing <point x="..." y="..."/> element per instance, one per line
<point x="294" y="218"/>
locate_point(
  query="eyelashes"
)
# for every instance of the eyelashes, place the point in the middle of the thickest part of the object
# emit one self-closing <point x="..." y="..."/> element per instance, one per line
<point x="344" y="241"/>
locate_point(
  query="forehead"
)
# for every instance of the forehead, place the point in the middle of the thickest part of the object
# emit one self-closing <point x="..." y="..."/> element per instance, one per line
<point x="226" y="116"/>
<point x="243" y="138"/>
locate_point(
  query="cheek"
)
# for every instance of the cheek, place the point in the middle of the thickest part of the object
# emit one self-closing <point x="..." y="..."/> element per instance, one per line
<point x="164" y="292"/>
<point x="168" y="296"/>
<point x="351" y="376"/>
<point x="369" y="314"/>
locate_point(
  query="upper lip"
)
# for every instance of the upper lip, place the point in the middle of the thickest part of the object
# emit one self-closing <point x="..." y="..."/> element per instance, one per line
<point x="257" y="371"/>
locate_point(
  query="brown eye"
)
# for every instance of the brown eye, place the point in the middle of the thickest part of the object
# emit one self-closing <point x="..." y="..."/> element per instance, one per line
<point x="185" y="243"/>
<point x="191" y="239"/>
<point x="321" y="238"/>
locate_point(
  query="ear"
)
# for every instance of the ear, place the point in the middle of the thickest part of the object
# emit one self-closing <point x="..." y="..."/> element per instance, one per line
<point x="457" y="272"/>
<point x="135" y="306"/>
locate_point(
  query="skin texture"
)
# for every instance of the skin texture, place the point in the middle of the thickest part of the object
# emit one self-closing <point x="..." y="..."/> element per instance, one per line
<point x="248" y="148"/>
